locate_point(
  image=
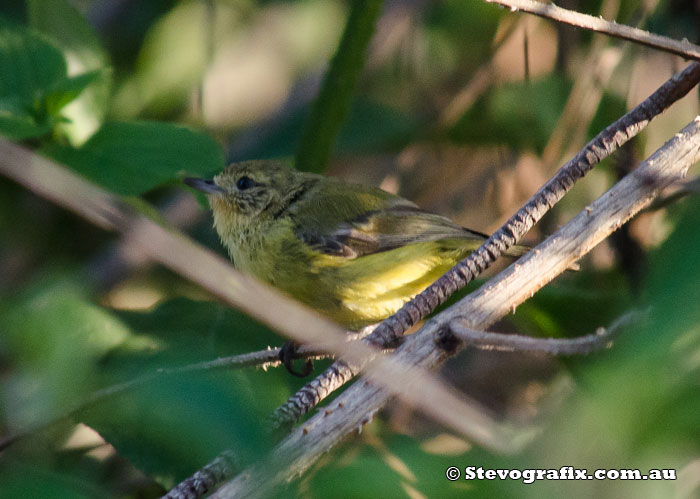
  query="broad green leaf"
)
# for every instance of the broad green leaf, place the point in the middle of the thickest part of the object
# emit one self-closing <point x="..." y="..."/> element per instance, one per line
<point x="182" y="330"/>
<point x="67" y="89"/>
<point x="34" y="87"/>
<point x="172" y="426"/>
<point x="54" y="336"/>
<point x="172" y="60"/>
<point x="61" y="22"/>
<point x="176" y="423"/>
<point x="30" y="64"/>
<point x="675" y="270"/>
<point x="63" y="348"/>
<point x="395" y="466"/>
<point x="132" y="158"/>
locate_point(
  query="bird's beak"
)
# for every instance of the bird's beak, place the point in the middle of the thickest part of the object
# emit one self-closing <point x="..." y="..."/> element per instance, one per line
<point x="204" y="185"/>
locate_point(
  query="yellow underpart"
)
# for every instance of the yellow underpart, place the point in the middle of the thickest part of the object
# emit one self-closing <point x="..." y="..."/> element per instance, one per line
<point x="370" y="288"/>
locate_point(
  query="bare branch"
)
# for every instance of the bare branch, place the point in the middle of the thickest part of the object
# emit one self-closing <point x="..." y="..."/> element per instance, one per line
<point x="550" y="11"/>
<point x="682" y="189"/>
<point x="205" y="479"/>
<point x="387" y="333"/>
<point x="478" y="310"/>
<point x="581" y="345"/>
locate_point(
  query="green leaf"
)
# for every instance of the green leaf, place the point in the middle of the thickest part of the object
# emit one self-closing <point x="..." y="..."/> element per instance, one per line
<point x="34" y="87"/>
<point x="62" y="348"/>
<point x="216" y="409"/>
<point x="172" y="60"/>
<point x="67" y="89"/>
<point x="25" y="479"/>
<point x="61" y="22"/>
<point x="54" y="337"/>
<point x="175" y="425"/>
<point x="133" y="158"/>
<point x="19" y="123"/>
<point x="31" y="64"/>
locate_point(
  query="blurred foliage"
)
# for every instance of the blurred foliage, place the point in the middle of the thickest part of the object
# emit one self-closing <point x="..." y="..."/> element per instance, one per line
<point x="36" y="86"/>
<point x="84" y="82"/>
<point x="522" y="114"/>
<point x="331" y="106"/>
<point x="133" y="158"/>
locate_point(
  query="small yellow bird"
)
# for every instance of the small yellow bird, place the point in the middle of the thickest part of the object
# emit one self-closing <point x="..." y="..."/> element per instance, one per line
<point x="354" y="253"/>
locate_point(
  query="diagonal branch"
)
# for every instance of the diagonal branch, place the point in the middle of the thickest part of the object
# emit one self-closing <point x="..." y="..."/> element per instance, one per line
<point x="387" y="333"/>
<point x="434" y="343"/>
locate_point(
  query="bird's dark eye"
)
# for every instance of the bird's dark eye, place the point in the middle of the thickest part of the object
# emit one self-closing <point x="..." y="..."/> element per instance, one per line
<point x="244" y="183"/>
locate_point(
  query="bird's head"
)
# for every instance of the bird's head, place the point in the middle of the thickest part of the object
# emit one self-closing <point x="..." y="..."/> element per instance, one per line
<point x="248" y="192"/>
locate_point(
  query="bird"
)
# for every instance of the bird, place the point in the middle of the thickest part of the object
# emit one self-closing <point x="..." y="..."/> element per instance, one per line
<point x="354" y="253"/>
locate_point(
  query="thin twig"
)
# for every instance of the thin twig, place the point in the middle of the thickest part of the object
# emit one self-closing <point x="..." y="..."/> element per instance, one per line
<point x="426" y="348"/>
<point x="262" y="358"/>
<point x="684" y="188"/>
<point x="550" y="11"/>
<point x="387" y="333"/>
<point x="581" y="345"/>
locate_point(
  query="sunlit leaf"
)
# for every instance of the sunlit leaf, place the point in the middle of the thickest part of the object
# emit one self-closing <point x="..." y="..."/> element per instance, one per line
<point x="67" y="89"/>
<point x="34" y="86"/>
<point x="70" y="31"/>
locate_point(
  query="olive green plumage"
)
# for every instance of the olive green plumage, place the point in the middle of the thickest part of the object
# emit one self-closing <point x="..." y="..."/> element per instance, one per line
<point x="354" y="253"/>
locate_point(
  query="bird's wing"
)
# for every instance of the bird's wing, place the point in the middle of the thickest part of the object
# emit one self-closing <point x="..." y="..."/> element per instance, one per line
<point x="357" y="221"/>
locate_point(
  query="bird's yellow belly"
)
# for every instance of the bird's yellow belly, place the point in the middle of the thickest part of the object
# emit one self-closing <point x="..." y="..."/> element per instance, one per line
<point x="353" y="292"/>
<point x="370" y="288"/>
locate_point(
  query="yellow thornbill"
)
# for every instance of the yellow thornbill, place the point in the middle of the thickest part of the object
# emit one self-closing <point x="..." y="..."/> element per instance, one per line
<point x="354" y="253"/>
